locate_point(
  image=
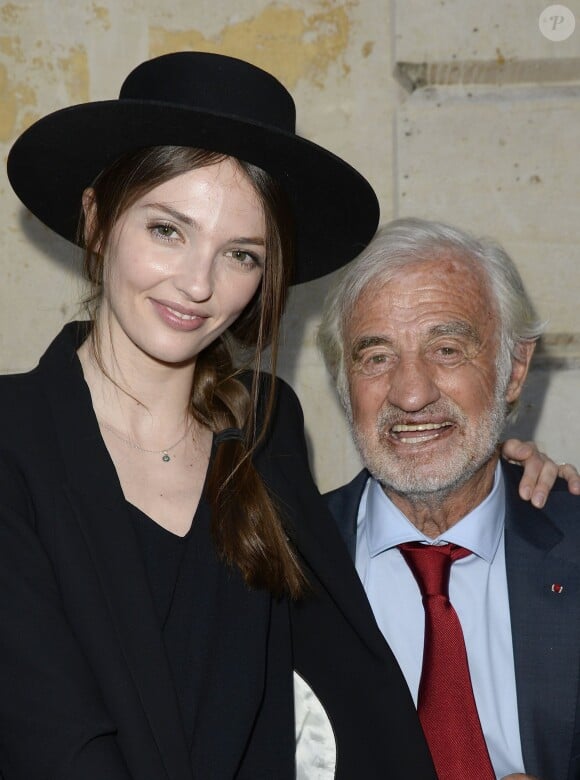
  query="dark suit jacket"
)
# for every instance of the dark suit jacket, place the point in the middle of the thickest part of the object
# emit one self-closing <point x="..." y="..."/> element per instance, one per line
<point x="542" y="549"/>
<point x="85" y="687"/>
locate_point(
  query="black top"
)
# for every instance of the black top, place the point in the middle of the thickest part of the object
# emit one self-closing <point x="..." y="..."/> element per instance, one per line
<point x="180" y="589"/>
<point x="163" y="553"/>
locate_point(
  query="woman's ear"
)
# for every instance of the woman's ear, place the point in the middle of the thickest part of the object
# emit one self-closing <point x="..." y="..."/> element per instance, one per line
<point x="90" y="217"/>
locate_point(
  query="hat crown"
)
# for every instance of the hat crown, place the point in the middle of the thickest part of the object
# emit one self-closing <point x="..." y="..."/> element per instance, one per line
<point x="206" y="101"/>
<point x="213" y="83"/>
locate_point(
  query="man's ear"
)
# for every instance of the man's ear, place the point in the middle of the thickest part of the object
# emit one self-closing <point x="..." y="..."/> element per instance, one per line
<point x="90" y="215"/>
<point x="520" y="367"/>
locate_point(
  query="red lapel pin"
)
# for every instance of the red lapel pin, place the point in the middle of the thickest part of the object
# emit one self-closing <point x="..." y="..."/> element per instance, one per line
<point x="557" y="588"/>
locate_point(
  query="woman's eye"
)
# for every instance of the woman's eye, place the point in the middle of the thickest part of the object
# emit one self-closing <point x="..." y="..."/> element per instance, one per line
<point x="163" y="230"/>
<point x="243" y="257"/>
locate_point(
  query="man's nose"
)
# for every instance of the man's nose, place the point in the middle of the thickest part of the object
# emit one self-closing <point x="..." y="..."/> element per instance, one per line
<point x="412" y="385"/>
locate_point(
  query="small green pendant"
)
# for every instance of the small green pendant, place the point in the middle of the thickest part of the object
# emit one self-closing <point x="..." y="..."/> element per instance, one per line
<point x="166" y="458"/>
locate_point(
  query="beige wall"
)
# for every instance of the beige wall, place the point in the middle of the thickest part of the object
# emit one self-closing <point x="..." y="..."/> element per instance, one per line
<point x="454" y="109"/>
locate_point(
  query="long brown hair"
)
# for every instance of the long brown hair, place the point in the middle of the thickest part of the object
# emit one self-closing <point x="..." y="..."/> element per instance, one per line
<point x="246" y="526"/>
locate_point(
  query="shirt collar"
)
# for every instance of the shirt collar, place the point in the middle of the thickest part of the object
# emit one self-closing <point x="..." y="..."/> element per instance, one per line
<point x="479" y="531"/>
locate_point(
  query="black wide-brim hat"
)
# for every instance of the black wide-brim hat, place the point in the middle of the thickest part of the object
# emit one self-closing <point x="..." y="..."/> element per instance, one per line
<point x="212" y="102"/>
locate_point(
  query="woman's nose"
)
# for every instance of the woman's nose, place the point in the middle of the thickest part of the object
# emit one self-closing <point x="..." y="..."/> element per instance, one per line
<point x="196" y="277"/>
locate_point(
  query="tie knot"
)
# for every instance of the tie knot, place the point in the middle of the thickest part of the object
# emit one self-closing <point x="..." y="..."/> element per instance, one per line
<point x="431" y="564"/>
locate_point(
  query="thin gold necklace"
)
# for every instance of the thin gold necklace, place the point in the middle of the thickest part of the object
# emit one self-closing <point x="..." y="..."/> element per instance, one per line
<point x="165" y="456"/>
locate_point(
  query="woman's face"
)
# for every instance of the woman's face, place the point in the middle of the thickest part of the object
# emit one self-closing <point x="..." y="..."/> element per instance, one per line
<point x="182" y="263"/>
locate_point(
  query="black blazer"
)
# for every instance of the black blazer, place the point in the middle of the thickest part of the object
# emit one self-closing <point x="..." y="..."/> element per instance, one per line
<point x="85" y="688"/>
<point x="542" y="549"/>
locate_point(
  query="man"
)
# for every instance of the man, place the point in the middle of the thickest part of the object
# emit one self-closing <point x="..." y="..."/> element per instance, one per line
<point x="429" y="338"/>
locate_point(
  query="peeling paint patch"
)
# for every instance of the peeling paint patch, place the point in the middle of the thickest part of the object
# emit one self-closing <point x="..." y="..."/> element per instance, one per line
<point x="9" y="13"/>
<point x="101" y="14"/>
<point x="8" y="101"/>
<point x="11" y="46"/>
<point x="29" y="118"/>
<point x="287" y="42"/>
<point x="13" y="96"/>
<point x="75" y="69"/>
<point x="367" y="49"/>
<point x="19" y="99"/>
<point x="41" y="63"/>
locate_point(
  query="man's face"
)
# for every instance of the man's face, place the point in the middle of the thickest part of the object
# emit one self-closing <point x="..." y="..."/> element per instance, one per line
<point x="421" y="354"/>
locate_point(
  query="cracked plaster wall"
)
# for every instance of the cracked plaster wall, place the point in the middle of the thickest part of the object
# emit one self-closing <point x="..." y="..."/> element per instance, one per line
<point x="451" y="110"/>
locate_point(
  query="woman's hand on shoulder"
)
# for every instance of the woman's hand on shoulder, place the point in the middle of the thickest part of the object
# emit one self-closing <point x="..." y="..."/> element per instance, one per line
<point x="540" y="471"/>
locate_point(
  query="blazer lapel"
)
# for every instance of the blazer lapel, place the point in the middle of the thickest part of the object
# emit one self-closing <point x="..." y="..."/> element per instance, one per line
<point x="323" y="549"/>
<point x="546" y="635"/>
<point x="97" y="500"/>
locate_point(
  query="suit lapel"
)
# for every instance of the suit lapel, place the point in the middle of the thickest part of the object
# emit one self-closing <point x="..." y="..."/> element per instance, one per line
<point x="98" y="503"/>
<point x="546" y="635"/>
<point x="344" y="505"/>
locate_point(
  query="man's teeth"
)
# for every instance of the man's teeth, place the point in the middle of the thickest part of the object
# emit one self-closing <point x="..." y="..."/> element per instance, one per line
<point x="421" y="427"/>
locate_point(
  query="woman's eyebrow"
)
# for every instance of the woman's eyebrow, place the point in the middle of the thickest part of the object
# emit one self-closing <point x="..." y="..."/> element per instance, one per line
<point x="178" y="216"/>
<point x="257" y="240"/>
<point x="185" y="219"/>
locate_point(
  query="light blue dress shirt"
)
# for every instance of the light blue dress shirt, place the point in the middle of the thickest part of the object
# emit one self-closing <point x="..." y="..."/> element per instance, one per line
<point x="478" y="592"/>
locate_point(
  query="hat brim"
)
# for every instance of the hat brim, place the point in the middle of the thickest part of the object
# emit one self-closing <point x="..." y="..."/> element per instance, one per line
<point x="335" y="208"/>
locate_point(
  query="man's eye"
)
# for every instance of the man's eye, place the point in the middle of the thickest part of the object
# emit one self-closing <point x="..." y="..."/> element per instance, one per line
<point x="449" y="355"/>
<point x="374" y="363"/>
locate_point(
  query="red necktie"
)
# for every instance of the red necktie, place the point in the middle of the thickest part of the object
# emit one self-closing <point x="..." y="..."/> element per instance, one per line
<point x="446" y="705"/>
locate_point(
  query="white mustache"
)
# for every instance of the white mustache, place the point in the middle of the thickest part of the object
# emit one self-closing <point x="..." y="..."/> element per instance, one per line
<point x="447" y="413"/>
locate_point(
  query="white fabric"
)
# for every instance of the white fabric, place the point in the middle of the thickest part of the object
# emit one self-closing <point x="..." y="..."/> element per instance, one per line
<point x="315" y="742"/>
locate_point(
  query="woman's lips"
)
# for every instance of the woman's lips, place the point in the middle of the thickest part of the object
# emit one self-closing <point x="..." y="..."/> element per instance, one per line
<point x="177" y="316"/>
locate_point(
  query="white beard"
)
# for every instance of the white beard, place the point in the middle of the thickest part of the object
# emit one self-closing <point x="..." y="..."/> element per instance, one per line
<point x="415" y="476"/>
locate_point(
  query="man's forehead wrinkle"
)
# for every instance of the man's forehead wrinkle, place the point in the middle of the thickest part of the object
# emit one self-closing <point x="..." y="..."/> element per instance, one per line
<point x="423" y="303"/>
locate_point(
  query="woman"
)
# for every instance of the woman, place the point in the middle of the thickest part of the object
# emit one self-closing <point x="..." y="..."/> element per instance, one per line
<point x="150" y="492"/>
